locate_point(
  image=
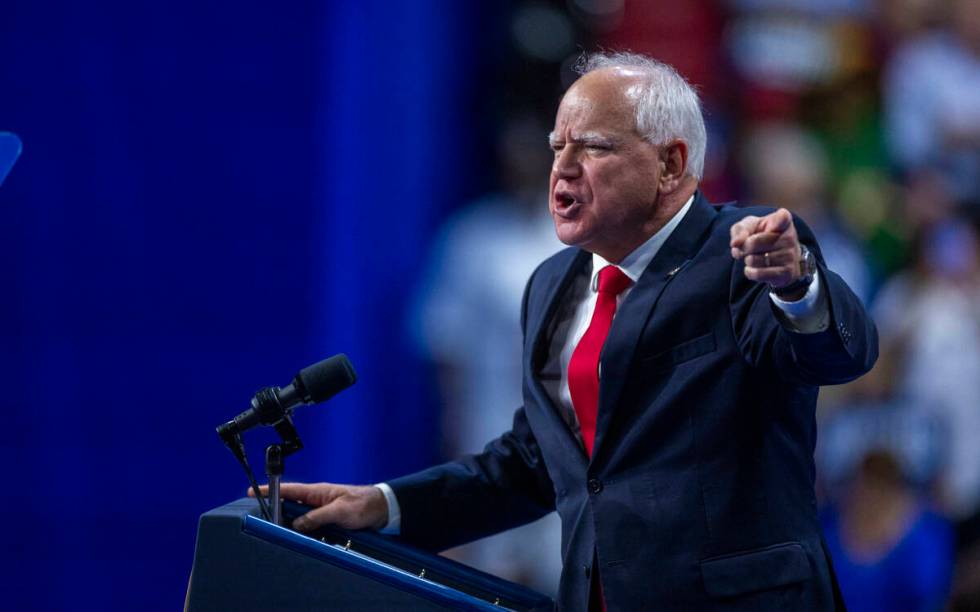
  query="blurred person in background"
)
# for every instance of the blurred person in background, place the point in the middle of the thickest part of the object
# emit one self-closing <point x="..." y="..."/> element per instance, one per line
<point x="875" y="419"/>
<point x="879" y="458"/>
<point x="929" y="321"/>
<point x="932" y="102"/>
<point x="468" y="323"/>
<point x="891" y="552"/>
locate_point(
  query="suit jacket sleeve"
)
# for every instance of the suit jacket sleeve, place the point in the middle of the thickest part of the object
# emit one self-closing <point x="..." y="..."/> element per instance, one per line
<point x="504" y="486"/>
<point x="844" y="351"/>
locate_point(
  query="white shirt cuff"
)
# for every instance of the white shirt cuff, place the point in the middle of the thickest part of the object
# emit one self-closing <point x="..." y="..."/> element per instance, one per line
<point x="394" y="524"/>
<point x="809" y="314"/>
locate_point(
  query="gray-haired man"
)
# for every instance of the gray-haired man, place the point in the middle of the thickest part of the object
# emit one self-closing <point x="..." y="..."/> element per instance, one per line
<point x="671" y="364"/>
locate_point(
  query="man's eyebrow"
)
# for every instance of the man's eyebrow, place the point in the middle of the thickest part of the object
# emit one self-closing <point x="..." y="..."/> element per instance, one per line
<point x="594" y="138"/>
<point x="584" y="138"/>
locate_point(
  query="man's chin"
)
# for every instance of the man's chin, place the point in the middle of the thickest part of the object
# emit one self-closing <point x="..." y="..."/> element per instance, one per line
<point x="569" y="233"/>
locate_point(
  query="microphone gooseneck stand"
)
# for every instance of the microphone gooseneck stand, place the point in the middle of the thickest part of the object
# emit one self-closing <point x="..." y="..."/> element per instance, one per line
<point x="273" y="470"/>
<point x="275" y="455"/>
<point x="280" y="418"/>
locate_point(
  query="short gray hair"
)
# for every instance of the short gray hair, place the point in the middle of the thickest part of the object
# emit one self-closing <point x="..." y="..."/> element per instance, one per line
<point x="667" y="106"/>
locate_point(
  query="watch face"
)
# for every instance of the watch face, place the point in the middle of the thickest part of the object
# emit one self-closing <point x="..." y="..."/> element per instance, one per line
<point x="808" y="265"/>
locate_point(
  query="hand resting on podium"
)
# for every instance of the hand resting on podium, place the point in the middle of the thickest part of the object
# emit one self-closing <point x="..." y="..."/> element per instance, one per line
<point x="349" y="506"/>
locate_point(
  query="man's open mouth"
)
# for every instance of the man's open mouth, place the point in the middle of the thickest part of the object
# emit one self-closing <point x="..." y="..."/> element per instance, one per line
<point x="565" y="203"/>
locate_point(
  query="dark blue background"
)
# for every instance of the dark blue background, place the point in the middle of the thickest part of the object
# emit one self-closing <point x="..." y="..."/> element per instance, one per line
<point x="211" y="196"/>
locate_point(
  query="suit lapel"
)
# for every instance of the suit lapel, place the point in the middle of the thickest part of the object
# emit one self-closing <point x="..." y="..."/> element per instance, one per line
<point x="636" y="309"/>
<point x="553" y="296"/>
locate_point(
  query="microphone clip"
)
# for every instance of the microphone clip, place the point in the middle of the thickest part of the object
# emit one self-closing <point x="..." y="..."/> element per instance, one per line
<point x="271" y="412"/>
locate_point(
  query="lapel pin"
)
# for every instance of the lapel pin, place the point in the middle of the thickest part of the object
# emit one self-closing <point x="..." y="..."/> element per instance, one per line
<point x="671" y="274"/>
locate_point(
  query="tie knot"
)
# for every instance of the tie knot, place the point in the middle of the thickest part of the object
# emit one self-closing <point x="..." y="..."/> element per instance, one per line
<point x="613" y="280"/>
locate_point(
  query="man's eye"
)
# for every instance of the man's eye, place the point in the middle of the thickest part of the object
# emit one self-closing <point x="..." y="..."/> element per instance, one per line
<point x="598" y="147"/>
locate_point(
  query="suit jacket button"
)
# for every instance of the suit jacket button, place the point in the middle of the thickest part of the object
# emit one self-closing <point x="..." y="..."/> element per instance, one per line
<point x="588" y="571"/>
<point x="595" y="485"/>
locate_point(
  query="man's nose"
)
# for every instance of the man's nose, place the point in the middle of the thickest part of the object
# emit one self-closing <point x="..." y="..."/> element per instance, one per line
<point x="566" y="163"/>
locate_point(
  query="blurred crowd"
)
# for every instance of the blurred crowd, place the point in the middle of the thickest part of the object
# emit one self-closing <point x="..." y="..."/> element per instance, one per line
<point x="861" y="116"/>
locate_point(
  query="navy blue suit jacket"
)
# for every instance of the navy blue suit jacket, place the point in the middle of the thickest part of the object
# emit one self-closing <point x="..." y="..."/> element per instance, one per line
<point x="699" y="494"/>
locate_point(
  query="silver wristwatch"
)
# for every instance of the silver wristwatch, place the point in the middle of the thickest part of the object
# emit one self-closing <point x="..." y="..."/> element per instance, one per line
<point x="808" y="268"/>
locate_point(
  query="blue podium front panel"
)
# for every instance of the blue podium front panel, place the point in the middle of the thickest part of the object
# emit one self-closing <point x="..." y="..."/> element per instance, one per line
<point x="243" y="562"/>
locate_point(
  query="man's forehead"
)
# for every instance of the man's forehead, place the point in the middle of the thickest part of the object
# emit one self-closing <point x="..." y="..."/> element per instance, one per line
<point x="586" y="113"/>
<point x="602" y="92"/>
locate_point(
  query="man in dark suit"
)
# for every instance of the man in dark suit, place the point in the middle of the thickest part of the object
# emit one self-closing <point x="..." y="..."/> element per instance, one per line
<point x="671" y="366"/>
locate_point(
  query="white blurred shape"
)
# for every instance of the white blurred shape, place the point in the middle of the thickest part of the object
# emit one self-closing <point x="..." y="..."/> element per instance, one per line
<point x="782" y="53"/>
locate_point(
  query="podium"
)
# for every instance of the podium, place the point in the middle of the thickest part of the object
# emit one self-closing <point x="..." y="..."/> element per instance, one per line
<point x="243" y="563"/>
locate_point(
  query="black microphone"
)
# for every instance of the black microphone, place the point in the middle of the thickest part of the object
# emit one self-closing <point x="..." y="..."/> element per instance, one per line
<point x="314" y="384"/>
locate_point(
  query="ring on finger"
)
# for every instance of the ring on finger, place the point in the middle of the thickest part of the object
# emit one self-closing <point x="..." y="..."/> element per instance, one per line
<point x="766" y="257"/>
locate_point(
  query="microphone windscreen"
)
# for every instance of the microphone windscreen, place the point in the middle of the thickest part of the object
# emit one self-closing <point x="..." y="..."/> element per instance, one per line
<point x="324" y="379"/>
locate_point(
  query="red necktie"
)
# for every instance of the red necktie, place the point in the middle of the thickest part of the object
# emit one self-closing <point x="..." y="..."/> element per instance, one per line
<point x="583" y="368"/>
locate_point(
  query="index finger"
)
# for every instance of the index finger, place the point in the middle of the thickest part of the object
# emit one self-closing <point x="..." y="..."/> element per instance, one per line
<point x="777" y="222"/>
<point x="296" y="491"/>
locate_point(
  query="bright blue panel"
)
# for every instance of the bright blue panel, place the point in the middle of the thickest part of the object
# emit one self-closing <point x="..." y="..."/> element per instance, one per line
<point x="211" y="196"/>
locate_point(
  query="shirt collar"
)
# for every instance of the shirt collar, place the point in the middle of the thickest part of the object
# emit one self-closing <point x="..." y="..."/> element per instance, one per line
<point x="636" y="262"/>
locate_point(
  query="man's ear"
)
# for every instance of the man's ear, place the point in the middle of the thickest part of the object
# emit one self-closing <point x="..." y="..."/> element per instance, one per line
<point x="673" y="160"/>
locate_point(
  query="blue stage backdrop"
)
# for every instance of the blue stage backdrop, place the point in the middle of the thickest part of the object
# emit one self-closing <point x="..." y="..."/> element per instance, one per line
<point x="212" y="195"/>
